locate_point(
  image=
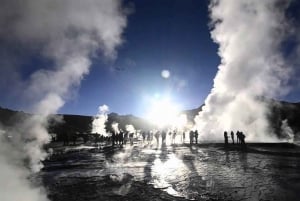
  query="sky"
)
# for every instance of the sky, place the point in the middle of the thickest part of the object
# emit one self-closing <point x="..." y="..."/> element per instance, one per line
<point x="160" y="35"/>
<point x="172" y="35"/>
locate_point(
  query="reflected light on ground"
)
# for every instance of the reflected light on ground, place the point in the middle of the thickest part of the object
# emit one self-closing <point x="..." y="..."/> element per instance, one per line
<point x="165" y="171"/>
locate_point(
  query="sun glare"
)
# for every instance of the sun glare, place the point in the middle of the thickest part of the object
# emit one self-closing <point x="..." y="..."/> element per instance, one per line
<point x="163" y="113"/>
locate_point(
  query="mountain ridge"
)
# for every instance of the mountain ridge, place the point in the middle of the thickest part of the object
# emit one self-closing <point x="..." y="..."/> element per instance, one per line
<point x="76" y="123"/>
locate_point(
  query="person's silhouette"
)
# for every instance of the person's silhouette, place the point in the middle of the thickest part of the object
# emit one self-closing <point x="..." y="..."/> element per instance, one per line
<point x="191" y="137"/>
<point x="196" y="136"/>
<point x="225" y="138"/>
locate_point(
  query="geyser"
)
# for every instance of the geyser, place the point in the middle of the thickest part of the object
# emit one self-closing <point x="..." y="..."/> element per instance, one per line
<point x="249" y="34"/>
<point x="66" y="34"/>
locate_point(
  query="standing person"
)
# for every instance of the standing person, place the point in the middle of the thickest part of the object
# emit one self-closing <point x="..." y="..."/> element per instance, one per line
<point x="232" y="137"/>
<point x="163" y="137"/>
<point x="156" y="135"/>
<point x="131" y="138"/>
<point x="118" y="138"/>
<point x="125" y="137"/>
<point x="238" y="137"/>
<point x="113" y="138"/>
<point x="149" y="137"/>
<point x="183" y="137"/>
<point x="144" y="136"/>
<point x="196" y="136"/>
<point x="122" y="137"/>
<point x="174" y="137"/>
<point x="242" y="139"/>
<point x="191" y="137"/>
<point x="225" y="138"/>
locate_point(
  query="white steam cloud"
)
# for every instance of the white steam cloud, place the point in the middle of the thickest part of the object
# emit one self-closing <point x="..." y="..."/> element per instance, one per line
<point x="115" y="127"/>
<point x="67" y="34"/>
<point x="130" y="128"/>
<point x="249" y="34"/>
<point x="287" y="131"/>
<point x="100" y="120"/>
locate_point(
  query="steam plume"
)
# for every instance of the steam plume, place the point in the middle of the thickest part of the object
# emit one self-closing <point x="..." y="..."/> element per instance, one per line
<point x="115" y="127"/>
<point x="66" y="33"/>
<point x="99" y="120"/>
<point x="287" y="131"/>
<point x="249" y="34"/>
<point x="130" y="128"/>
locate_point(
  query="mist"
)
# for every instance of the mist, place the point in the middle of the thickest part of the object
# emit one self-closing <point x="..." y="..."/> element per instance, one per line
<point x="67" y="34"/>
<point x="249" y="34"/>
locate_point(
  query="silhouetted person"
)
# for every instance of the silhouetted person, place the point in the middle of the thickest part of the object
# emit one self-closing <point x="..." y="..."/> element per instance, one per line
<point x="113" y="138"/>
<point x="149" y="137"/>
<point x="191" y="137"/>
<point x="144" y="136"/>
<point x="125" y="137"/>
<point x="131" y="138"/>
<point x="196" y="136"/>
<point x="183" y="136"/>
<point x="232" y="136"/>
<point x="225" y="138"/>
<point x="157" y="137"/>
<point x="117" y="138"/>
<point x="242" y="139"/>
<point x="238" y="137"/>
<point x="174" y="137"/>
<point x="122" y="137"/>
<point x="163" y="137"/>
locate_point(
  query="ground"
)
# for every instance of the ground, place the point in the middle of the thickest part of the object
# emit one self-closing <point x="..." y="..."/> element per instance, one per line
<point x="174" y="172"/>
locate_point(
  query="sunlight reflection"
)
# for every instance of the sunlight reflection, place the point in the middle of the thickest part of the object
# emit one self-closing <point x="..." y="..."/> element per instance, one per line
<point x="166" y="171"/>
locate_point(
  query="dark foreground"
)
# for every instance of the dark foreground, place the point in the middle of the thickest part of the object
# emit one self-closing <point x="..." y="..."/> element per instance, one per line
<point x="178" y="172"/>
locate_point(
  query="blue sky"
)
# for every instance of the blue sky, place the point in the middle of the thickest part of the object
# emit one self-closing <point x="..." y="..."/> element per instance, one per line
<point x="172" y="35"/>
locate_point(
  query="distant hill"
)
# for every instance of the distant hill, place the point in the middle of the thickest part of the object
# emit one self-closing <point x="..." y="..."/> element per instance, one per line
<point x="73" y="123"/>
<point x="279" y="111"/>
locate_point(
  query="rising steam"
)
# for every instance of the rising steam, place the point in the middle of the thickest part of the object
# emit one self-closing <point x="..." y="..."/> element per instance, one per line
<point x="115" y="127"/>
<point x="100" y="120"/>
<point x="249" y="34"/>
<point x="130" y="128"/>
<point x="67" y="34"/>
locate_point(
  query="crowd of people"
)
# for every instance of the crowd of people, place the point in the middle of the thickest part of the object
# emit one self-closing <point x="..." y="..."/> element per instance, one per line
<point x="240" y="138"/>
<point x="157" y="137"/>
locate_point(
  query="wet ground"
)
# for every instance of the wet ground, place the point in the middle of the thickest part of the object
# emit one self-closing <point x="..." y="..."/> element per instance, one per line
<point x="174" y="172"/>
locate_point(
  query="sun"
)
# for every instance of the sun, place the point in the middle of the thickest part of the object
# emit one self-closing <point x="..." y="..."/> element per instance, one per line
<point x="163" y="112"/>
